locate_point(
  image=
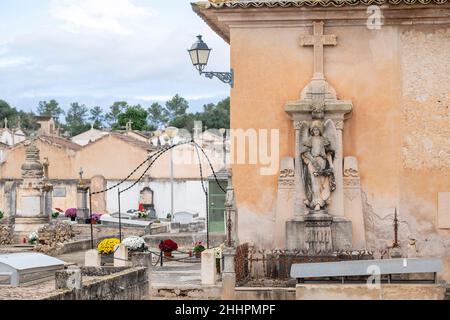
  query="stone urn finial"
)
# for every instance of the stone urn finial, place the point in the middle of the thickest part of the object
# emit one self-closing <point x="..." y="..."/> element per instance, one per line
<point x="32" y="168"/>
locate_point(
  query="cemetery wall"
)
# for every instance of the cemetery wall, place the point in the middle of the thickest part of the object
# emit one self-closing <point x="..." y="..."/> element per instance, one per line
<point x="396" y="78"/>
<point x="130" y="284"/>
<point x="188" y="195"/>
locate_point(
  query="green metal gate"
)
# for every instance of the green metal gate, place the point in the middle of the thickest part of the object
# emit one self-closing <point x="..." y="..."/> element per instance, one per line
<point x="216" y="205"/>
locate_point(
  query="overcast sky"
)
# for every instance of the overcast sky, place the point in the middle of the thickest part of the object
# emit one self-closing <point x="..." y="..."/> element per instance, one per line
<point x="99" y="51"/>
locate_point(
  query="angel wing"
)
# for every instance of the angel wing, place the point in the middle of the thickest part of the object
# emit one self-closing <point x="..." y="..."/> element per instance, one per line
<point x="330" y="133"/>
<point x="304" y="131"/>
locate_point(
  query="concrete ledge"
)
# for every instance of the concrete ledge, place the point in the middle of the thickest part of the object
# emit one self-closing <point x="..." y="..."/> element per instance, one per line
<point x="113" y="284"/>
<point x="266" y="293"/>
<point x="362" y="292"/>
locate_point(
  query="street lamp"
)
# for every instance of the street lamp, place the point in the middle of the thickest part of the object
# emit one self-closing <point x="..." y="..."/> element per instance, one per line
<point x="171" y="134"/>
<point x="199" y="54"/>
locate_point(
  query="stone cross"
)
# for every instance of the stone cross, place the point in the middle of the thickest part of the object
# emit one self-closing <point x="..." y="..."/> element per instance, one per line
<point x="129" y="125"/>
<point x="318" y="40"/>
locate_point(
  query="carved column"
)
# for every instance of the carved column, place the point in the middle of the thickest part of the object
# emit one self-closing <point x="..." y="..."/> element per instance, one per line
<point x="337" y="203"/>
<point x="299" y="207"/>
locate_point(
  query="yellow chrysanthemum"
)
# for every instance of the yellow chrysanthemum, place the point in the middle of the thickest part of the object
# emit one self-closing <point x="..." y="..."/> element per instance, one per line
<point x="107" y="246"/>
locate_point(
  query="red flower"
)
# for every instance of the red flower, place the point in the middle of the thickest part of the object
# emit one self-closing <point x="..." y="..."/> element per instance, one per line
<point x="168" y="245"/>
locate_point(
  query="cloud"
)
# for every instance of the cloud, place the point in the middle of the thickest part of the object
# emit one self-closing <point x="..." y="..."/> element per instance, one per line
<point x="9" y="62"/>
<point x="109" y="16"/>
<point x="99" y="51"/>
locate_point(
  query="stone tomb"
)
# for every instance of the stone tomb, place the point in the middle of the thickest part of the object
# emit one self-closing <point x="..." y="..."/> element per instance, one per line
<point x="20" y="268"/>
<point x="35" y="193"/>
<point x="146" y="199"/>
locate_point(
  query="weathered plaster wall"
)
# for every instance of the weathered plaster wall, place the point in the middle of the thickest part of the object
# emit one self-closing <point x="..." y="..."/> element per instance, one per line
<point x="398" y="80"/>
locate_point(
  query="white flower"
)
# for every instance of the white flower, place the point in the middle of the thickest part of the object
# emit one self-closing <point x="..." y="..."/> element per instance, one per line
<point x="33" y="236"/>
<point x="218" y="252"/>
<point x="133" y="242"/>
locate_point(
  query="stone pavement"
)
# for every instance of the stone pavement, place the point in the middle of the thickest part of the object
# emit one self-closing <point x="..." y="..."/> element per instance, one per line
<point x="180" y="280"/>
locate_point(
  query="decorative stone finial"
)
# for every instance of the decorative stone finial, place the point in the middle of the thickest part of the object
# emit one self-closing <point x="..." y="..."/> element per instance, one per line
<point x="32" y="168"/>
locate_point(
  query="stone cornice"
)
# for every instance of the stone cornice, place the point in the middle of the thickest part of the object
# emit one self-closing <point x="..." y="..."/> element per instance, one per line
<point x="223" y="16"/>
<point x="310" y="3"/>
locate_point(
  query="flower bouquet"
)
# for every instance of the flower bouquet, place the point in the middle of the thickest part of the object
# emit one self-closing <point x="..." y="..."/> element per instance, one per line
<point x="33" y="238"/>
<point x="71" y="213"/>
<point x="106" y="249"/>
<point x="134" y="243"/>
<point x="167" y="246"/>
<point x="198" y="249"/>
<point x="96" y="218"/>
<point x="143" y="214"/>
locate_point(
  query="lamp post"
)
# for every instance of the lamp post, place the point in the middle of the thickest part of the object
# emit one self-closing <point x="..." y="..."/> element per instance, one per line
<point x="199" y="54"/>
<point x="171" y="134"/>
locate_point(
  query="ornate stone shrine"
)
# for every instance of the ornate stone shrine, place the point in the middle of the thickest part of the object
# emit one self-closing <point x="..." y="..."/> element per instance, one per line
<point x="317" y="177"/>
<point x="35" y="195"/>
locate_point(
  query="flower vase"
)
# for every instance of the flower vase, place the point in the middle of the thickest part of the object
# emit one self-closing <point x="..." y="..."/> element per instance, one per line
<point x="107" y="259"/>
<point x="198" y="255"/>
<point x="168" y="254"/>
<point x="73" y="218"/>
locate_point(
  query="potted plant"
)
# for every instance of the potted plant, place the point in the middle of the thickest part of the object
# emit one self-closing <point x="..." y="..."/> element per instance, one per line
<point x="106" y="249"/>
<point x="198" y="249"/>
<point x="134" y="244"/>
<point x="55" y="214"/>
<point x="143" y="214"/>
<point x="71" y="213"/>
<point x="167" y="246"/>
<point x="96" y="218"/>
<point x="33" y="238"/>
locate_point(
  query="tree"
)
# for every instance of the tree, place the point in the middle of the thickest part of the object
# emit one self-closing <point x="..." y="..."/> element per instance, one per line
<point x="157" y="115"/>
<point x="97" y="117"/>
<point x="176" y="107"/>
<point x="137" y="115"/>
<point x="6" y="111"/>
<point x="76" y="119"/>
<point x="216" y="116"/>
<point x="50" y="109"/>
<point x="113" y="115"/>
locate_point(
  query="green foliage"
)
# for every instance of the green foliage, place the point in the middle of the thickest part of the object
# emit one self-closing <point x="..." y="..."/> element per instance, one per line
<point x="216" y="116"/>
<point x="157" y="115"/>
<point x="97" y="117"/>
<point x="50" y="109"/>
<point x="6" y="111"/>
<point x="27" y="120"/>
<point x="114" y="111"/>
<point x="137" y="115"/>
<point x="176" y="107"/>
<point x="76" y="119"/>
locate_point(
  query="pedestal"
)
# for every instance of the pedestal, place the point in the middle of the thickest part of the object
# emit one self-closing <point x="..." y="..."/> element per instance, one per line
<point x="313" y="232"/>
<point x="25" y="225"/>
<point x="208" y="268"/>
<point x="228" y="274"/>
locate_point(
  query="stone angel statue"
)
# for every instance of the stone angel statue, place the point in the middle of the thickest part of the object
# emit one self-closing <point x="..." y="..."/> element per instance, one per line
<point x="317" y="151"/>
